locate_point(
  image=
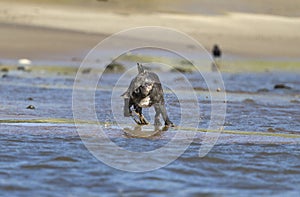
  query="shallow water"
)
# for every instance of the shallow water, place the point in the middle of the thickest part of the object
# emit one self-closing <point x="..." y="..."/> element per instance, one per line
<point x="59" y="165"/>
<point x="49" y="159"/>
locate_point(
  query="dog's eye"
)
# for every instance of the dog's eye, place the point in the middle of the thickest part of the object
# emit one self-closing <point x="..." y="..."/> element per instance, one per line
<point x="137" y="90"/>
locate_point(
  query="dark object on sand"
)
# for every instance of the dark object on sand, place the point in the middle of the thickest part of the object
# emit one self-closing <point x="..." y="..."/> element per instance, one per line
<point x="21" y="68"/>
<point x="182" y="70"/>
<point x="144" y="91"/>
<point x="5" y="70"/>
<point x="282" y="86"/>
<point x="30" y="99"/>
<point x="86" y="71"/>
<point x="263" y="90"/>
<point x="30" y="107"/>
<point x="115" y="67"/>
<point x="216" y="51"/>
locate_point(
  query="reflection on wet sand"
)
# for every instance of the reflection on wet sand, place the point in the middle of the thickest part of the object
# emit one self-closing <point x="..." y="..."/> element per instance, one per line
<point x="145" y="131"/>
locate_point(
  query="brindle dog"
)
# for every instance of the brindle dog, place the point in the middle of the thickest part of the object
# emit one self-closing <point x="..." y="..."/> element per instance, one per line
<point x="144" y="91"/>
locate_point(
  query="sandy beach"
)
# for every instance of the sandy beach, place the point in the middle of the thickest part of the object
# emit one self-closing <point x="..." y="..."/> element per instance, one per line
<point x="49" y="31"/>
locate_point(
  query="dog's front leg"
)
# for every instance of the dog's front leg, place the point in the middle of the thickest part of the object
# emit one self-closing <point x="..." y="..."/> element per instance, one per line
<point x="127" y="110"/>
<point x="143" y="120"/>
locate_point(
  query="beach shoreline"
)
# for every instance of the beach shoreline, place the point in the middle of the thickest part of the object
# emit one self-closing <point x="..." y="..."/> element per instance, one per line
<point x="43" y="31"/>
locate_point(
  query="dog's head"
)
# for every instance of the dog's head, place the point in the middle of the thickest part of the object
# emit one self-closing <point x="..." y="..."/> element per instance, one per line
<point x="145" y="88"/>
<point x="142" y="84"/>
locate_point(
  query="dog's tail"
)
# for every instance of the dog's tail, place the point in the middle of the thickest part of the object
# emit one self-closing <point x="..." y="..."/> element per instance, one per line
<point x="140" y="68"/>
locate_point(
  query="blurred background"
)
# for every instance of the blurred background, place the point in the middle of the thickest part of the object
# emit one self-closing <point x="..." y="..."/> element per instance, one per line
<point x="68" y="29"/>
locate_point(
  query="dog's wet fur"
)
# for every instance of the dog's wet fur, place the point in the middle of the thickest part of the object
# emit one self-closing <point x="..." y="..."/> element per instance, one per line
<point x="145" y="90"/>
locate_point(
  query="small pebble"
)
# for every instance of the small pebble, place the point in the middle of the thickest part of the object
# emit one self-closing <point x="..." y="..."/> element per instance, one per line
<point x="295" y="101"/>
<point x="30" y="107"/>
<point x="271" y="130"/>
<point x="86" y="71"/>
<point x="248" y="100"/>
<point x="281" y="86"/>
<point x="263" y="90"/>
<point x="218" y="89"/>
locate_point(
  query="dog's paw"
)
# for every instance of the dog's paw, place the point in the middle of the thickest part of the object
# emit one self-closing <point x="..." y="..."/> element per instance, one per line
<point x="141" y="123"/>
<point x="169" y="124"/>
<point x="144" y="122"/>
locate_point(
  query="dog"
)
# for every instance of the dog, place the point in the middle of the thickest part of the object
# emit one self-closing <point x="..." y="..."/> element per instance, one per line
<point x="144" y="91"/>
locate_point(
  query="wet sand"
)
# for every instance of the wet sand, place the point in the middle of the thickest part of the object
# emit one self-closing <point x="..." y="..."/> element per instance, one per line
<point x="42" y="43"/>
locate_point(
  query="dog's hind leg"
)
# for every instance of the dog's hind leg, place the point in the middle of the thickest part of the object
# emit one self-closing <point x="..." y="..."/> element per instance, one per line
<point x="163" y="111"/>
<point x="157" y="114"/>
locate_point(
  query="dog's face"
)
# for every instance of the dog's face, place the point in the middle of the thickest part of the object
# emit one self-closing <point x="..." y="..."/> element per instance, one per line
<point x="146" y="87"/>
<point x="143" y="84"/>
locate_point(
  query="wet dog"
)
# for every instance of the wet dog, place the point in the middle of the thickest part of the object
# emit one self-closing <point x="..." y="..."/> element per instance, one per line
<point x="144" y="91"/>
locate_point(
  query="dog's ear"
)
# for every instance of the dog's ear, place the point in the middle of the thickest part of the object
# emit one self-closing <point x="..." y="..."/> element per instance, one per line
<point x="140" y="68"/>
<point x="125" y="95"/>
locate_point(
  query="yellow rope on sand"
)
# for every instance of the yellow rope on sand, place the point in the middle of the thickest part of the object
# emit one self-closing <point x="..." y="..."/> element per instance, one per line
<point x="178" y="128"/>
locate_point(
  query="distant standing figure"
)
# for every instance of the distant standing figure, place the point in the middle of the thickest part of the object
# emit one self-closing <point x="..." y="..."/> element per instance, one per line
<point x="217" y="53"/>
